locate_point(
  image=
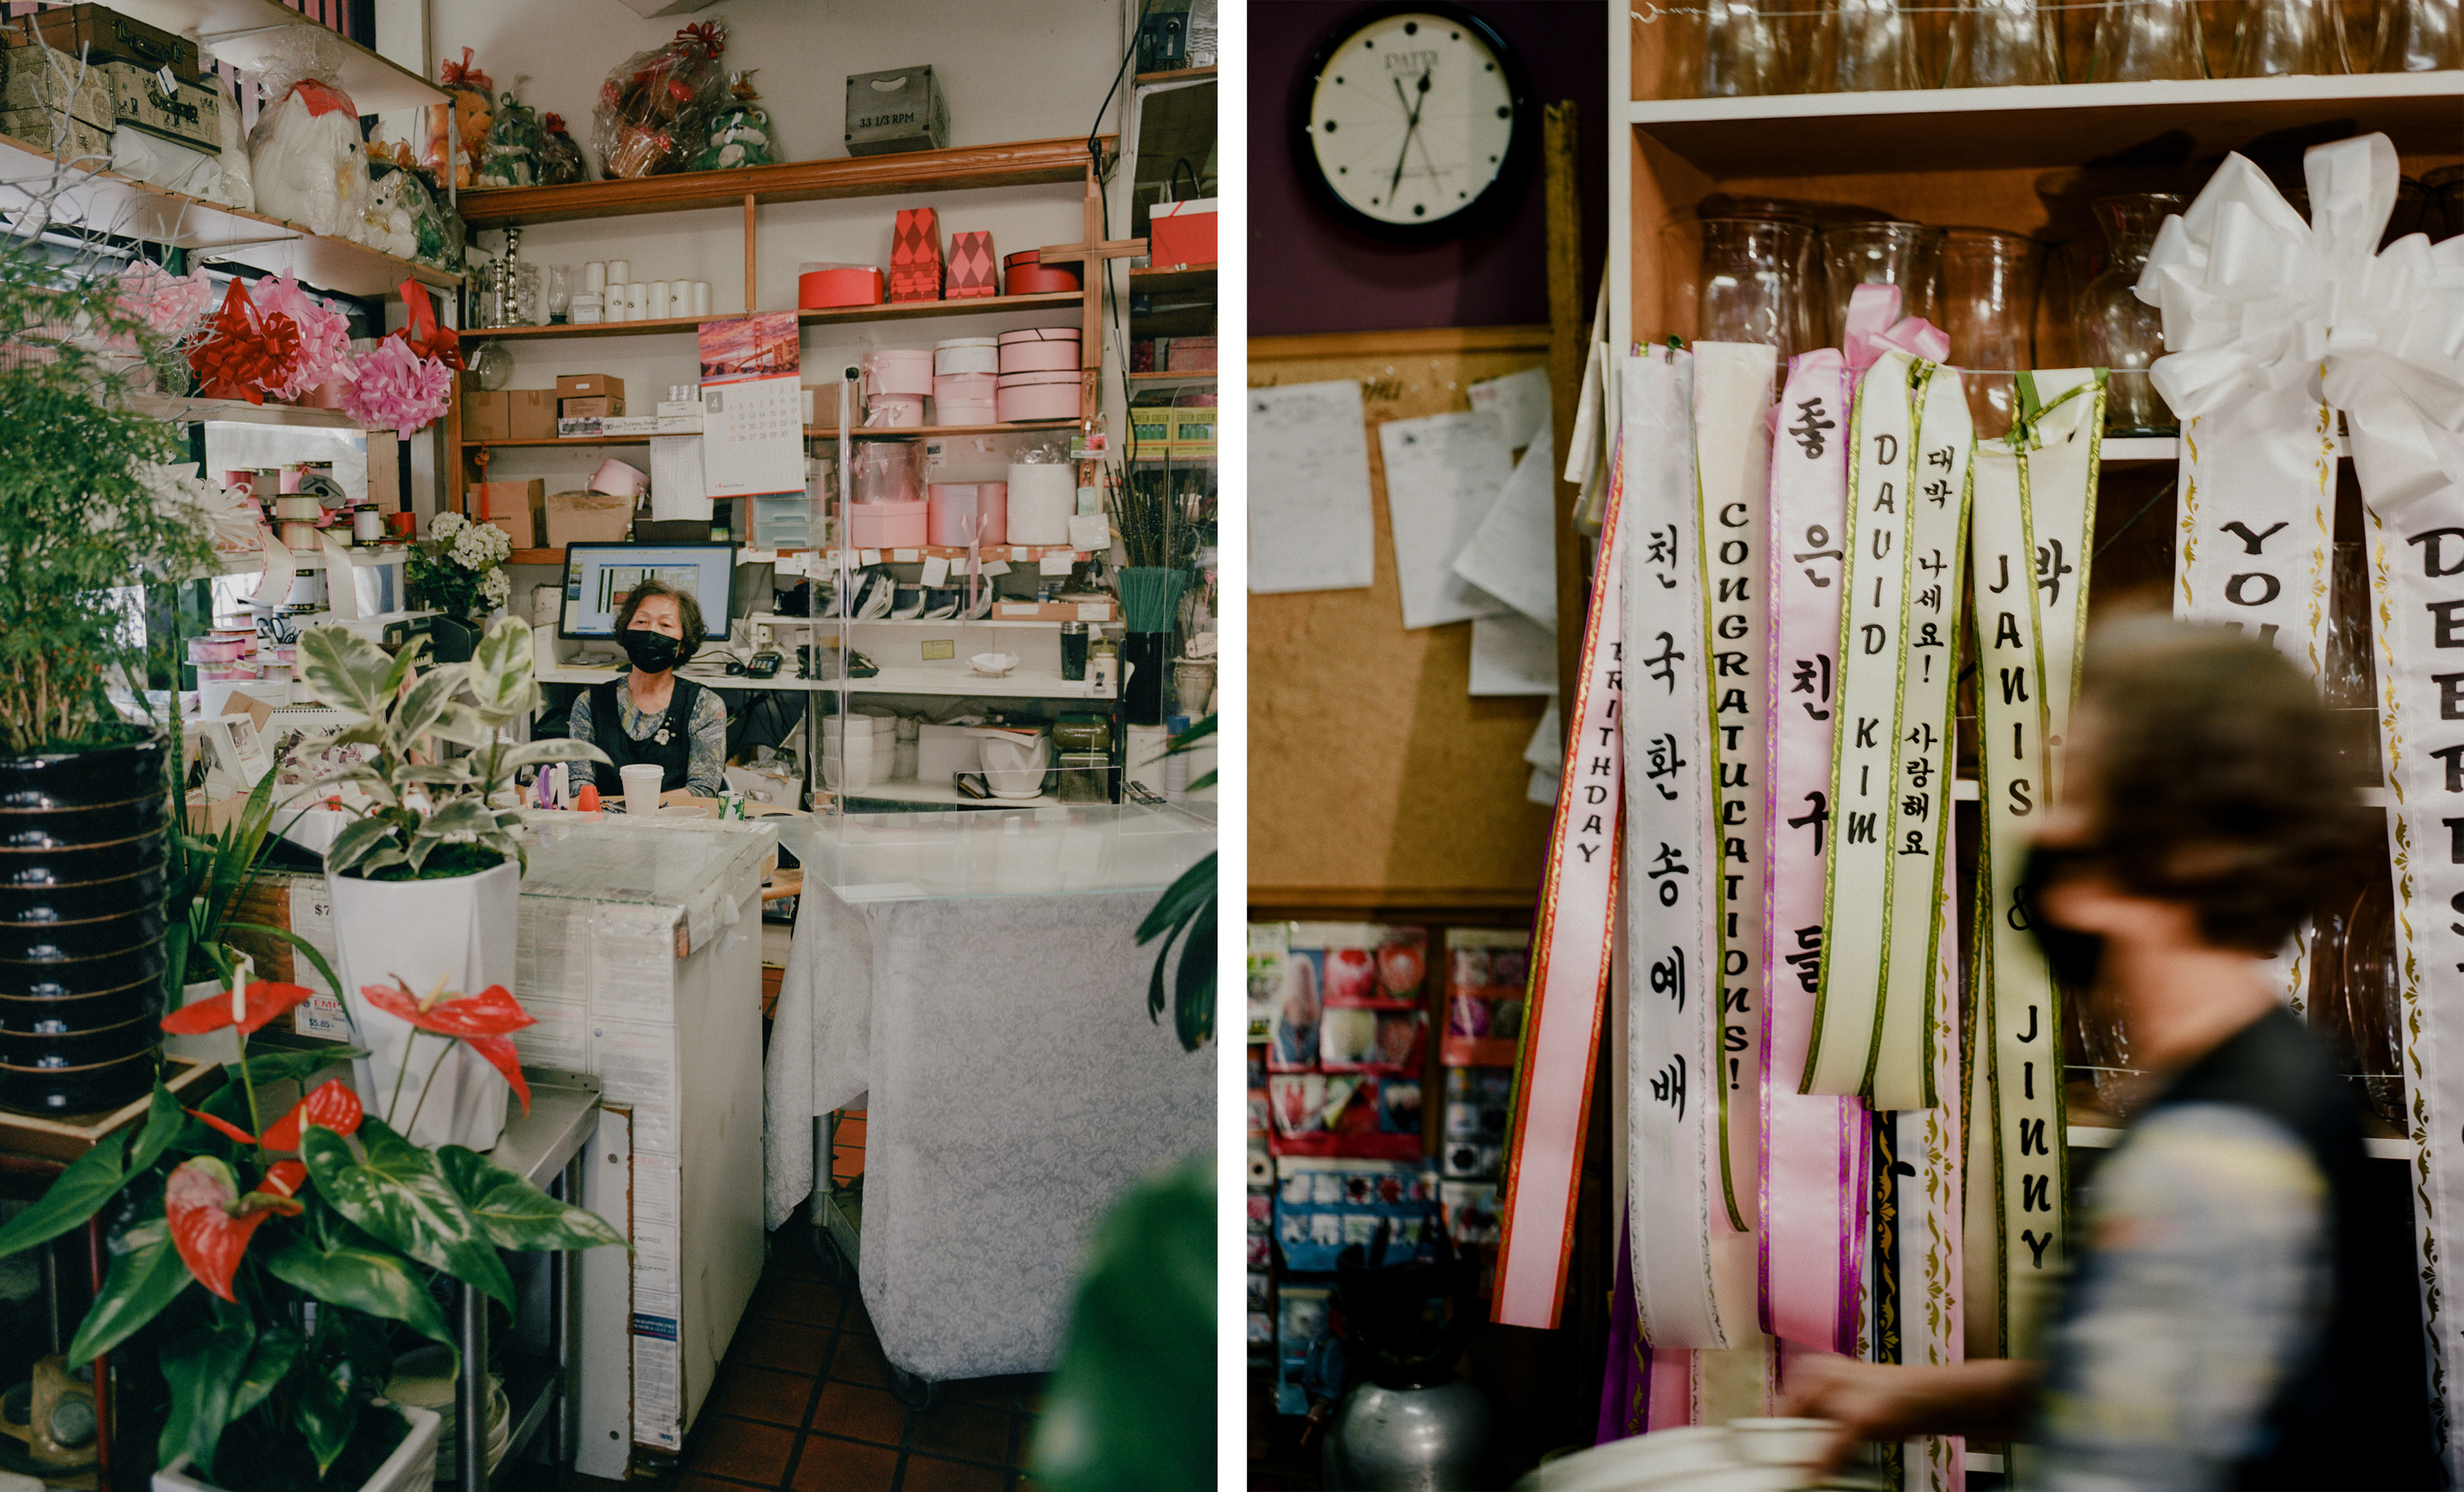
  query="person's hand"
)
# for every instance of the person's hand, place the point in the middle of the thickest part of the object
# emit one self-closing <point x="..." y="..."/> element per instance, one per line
<point x="1864" y="1401"/>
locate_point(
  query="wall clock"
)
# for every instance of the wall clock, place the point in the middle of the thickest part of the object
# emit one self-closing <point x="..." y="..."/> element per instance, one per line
<point x="1416" y="123"/>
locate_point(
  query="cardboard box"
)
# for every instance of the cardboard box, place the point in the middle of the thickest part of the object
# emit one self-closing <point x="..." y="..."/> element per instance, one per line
<point x="513" y="507"/>
<point x="1193" y="430"/>
<point x="1181" y="233"/>
<point x="533" y="413"/>
<point x="588" y="386"/>
<point x="915" y="255"/>
<point x="40" y="78"/>
<point x="77" y="141"/>
<point x="905" y="109"/>
<point x="587" y="518"/>
<point x="487" y="416"/>
<point x="101" y="35"/>
<point x="972" y="270"/>
<point x="597" y="407"/>
<point x="191" y="113"/>
<point x="1091" y="608"/>
<point x="1189" y="354"/>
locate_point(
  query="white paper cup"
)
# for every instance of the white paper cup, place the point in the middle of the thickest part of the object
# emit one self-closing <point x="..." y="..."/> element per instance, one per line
<point x="641" y="787"/>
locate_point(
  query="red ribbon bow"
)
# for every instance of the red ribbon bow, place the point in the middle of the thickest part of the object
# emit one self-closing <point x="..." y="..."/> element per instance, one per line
<point x="463" y="74"/>
<point x="708" y="34"/>
<point x="423" y="334"/>
<point x="555" y="123"/>
<point x="244" y="351"/>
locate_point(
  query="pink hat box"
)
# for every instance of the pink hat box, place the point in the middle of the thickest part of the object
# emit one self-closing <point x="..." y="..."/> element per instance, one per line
<point x="966" y="355"/>
<point x="966" y="411"/>
<point x="1039" y="396"/>
<point x="959" y="506"/>
<point x="898" y="370"/>
<point x="977" y="387"/>
<point x="893" y="412"/>
<point x="887" y="525"/>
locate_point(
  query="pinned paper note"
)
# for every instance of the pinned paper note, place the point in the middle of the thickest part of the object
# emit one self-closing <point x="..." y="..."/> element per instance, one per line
<point x="1090" y="532"/>
<point x="1443" y="474"/>
<point x="1546" y="748"/>
<point x="992" y="567"/>
<point x="1511" y="655"/>
<point x="1520" y="401"/>
<point x="1311" y="527"/>
<point x="677" y="490"/>
<point x="1513" y="556"/>
<point x="937" y="570"/>
<point x="868" y="556"/>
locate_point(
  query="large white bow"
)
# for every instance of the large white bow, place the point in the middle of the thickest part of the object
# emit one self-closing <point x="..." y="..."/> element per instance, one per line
<point x="2255" y="300"/>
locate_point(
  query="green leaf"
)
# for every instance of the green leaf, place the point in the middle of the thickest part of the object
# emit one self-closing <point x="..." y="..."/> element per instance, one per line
<point x="348" y="671"/>
<point x="1193" y="996"/>
<point x="201" y="1366"/>
<point x="276" y="1348"/>
<point x="362" y="1280"/>
<point x="328" y="1414"/>
<point x="357" y="839"/>
<point x="467" y="817"/>
<point x="147" y="1275"/>
<point x="457" y="773"/>
<point x="75" y="1195"/>
<point x="500" y="673"/>
<point x="282" y="1066"/>
<point x="1180" y="900"/>
<point x="300" y="945"/>
<point x="561" y="748"/>
<point x="402" y="1198"/>
<point x="516" y="1214"/>
<point x="163" y="1122"/>
<point x="425" y="703"/>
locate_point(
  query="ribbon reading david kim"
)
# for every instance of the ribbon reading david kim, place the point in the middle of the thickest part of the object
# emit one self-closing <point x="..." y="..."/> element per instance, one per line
<point x="1567" y="995"/>
<point x="2254" y="298"/>
<point x="1671" y="848"/>
<point x="2034" y="509"/>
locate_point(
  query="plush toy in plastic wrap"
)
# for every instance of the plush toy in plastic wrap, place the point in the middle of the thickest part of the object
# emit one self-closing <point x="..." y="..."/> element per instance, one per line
<point x="304" y="154"/>
<point x="510" y="156"/>
<point x="654" y="112"/>
<point x="469" y="117"/>
<point x="561" y="158"/>
<point x="740" y="133"/>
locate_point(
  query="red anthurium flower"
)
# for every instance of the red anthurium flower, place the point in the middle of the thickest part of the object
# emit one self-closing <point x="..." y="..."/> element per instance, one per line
<point x="266" y="999"/>
<point x="284" y="1178"/>
<point x="499" y="1052"/>
<point x="208" y="1227"/>
<point x="277" y="1193"/>
<point x="223" y="1125"/>
<point x="335" y="1105"/>
<point x="492" y="1011"/>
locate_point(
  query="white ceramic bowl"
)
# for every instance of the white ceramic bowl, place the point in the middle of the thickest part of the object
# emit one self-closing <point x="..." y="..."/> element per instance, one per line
<point x="993" y="665"/>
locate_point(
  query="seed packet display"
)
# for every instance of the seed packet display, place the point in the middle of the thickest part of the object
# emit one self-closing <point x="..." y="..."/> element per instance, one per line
<point x="1260" y="1124"/>
<point x="1262" y="1319"/>
<point x="1295" y="1011"/>
<point x="1473" y="1135"/>
<point x="1269" y="945"/>
<point x="1367" y="1117"/>
<point x="1486" y="970"/>
<point x="1365" y="965"/>
<point x="1470" y="1211"/>
<point x="1324" y="1206"/>
<point x="1300" y="1317"/>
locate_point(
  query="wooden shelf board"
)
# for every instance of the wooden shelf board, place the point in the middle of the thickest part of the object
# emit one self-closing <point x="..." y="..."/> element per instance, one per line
<point x="245" y="33"/>
<point x="577" y="441"/>
<point x="104" y="203"/>
<point x="1178" y="74"/>
<point x="182" y="409"/>
<point x="1172" y="279"/>
<point x="1168" y="380"/>
<point x="936" y="432"/>
<point x="1013" y="552"/>
<point x="892" y="310"/>
<point x="1949" y="129"/>
<point x="1033" y="163"/>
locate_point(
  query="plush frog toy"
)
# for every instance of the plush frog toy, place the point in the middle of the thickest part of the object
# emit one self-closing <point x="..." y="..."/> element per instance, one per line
<point x="740" y="132"/>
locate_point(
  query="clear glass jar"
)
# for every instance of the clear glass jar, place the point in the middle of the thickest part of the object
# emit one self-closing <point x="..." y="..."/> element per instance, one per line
<point x="1741" y="53"/>
<point x="1905" y="254"/>
<point x="1988" y="308"/>
<point x="2139" y="41"/>
<point x="2275" y="37"/>
<point x="2001" y="44"/>
<point x="1754" y="284"/>
<point x="1867" y="45"/>
<point x="2419" y="37"/>
<point x="2116" y="329"/>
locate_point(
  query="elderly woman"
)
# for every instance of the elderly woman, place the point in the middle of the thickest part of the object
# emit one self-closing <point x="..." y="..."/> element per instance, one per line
<point x="650" y="715"/>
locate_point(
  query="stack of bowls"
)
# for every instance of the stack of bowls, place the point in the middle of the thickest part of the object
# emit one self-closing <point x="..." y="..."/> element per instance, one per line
<point x="82" y="845"/>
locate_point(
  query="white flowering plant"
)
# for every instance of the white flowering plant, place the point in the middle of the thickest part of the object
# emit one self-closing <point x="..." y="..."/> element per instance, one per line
<point x="459" y="568"/>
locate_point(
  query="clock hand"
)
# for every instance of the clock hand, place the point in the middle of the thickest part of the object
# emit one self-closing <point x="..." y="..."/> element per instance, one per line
<point x="1410" y="130"/>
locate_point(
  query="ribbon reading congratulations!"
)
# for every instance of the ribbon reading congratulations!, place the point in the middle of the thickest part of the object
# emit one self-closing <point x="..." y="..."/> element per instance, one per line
<point x="2257" y="302"/>
<point x="2034" y="507"/>
<point x="1565" y="999"/>
<point x="1672" y="949"/>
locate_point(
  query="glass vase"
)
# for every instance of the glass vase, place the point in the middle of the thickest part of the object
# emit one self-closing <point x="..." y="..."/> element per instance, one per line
<point x="2139" y="41"/>
<point x="1870" y="47"/>
<point x="2116" y="329"/>
<point x="2274" y="38"/>
<point x="1754" y="284"/>
<point x="1987" y="307"/>
<point x="2001" y="44"/>
<point x="1905" y="254"/>
<point x="2419" y="37"/>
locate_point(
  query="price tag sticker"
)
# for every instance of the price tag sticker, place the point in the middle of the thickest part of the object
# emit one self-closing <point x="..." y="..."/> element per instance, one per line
<point x="937" y="570"/>
<point x="992" y="567"/>
<point x="1056" y="564"/>
<point x="905" y="555"/>
<point x="867" y="557"/>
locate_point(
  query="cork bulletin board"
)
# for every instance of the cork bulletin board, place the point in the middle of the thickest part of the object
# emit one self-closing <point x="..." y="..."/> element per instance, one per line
<point x="1377" y="782"/>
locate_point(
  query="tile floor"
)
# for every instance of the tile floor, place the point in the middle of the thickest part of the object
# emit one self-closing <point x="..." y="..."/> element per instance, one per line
<point x="803" y="1403"/>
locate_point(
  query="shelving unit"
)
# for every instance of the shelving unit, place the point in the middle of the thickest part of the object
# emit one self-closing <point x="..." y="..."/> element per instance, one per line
<point x="244" y="32"/>
<point x="888" y="311"/>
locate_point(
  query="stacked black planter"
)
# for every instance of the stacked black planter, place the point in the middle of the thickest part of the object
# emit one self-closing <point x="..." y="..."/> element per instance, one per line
<point x="84" y="837"/>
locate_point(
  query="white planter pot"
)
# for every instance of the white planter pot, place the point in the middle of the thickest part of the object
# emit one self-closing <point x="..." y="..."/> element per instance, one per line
<point x="461" y="931"/>
<point x="410" y="1468"/>
<point x="214" y="1046"/>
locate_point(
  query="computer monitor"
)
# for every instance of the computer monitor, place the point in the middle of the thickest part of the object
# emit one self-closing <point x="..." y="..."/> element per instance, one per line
<point x="598" y="577"/>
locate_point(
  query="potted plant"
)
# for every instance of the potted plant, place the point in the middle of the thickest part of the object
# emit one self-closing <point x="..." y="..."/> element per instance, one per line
<point x="459" y="570"/>
<point x="86" y="793"/>
<point x="425" y="881"/>
<point x="224" y="1230"/>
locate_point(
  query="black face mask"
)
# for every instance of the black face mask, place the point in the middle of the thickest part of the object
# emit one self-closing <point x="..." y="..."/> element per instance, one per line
<point x="651" y="652"/>
<point x="2072" y="956"/>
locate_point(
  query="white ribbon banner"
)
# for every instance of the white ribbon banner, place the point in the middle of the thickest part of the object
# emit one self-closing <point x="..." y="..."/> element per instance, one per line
<point x="1671" y="848"/>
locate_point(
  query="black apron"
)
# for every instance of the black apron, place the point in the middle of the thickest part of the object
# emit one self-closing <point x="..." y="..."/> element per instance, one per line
<point x="669" y="746"/>
<point x="2354" y="1410"/>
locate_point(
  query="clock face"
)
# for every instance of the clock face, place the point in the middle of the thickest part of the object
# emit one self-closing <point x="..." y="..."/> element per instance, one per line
<point x="1417" y="121"/>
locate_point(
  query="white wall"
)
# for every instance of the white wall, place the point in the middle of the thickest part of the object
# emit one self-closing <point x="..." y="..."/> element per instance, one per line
<point x="1022" y="70"/>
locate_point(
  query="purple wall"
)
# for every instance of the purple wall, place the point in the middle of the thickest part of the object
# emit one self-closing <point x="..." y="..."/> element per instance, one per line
<point x="1309" y="273"/>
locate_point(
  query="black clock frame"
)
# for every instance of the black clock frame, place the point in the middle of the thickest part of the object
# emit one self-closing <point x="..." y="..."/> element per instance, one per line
<point x="1504" y="192"/>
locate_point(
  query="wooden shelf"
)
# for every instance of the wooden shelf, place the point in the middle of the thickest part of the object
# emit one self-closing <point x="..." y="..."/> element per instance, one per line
<point x="1013" y="554"/>
<point x="104" y="203"/>
<point x="936" y="432"/>
<point x="1179" y="75"/>
<point x="182" y="409"/>
<point x="245" y="34"/>
<point x="577" y="441"/>
<point x="1034" y="162"/>
<point x="892" y="311"/>
<point x="1138" y="381"/>
<point x="1951" y="129"/>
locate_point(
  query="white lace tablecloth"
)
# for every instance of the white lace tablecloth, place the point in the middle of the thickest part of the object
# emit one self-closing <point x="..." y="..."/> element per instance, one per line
<point x="1017" y="1088"/>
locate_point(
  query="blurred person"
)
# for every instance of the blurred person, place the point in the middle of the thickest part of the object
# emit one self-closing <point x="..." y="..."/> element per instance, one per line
<point x="2211" y="1332"/>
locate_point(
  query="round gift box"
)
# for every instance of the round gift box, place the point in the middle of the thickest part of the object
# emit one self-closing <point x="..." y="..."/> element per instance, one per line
<point x="820" y="290"/>
<point x="217" y="650"/>
<point x="1039" y="357"/>
<point x="898" y="370"/>
<point x="961" y="388"/>
<point x="958" y="508"/>
<point x="1041" y="498"/>
<point x="887" y="525"/>
<point x="893" y="412"/>
<point x="965" y="411"/>
<point x="1037" y="334"/>
<point x="1039" y="396"/>
<point x="1034" y="279"/>
<point x="966" y="355"/>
